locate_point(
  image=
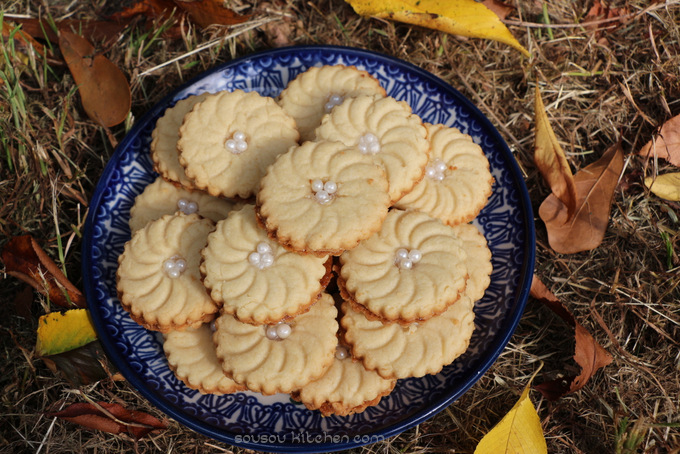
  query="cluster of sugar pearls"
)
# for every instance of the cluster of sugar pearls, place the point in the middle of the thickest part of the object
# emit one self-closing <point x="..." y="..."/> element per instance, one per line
<point x="333" y="100"/>
<point x="405" y="259"/>
<point x="237" y="144"/>
<point x="369" y="143"/>
<point x="324" y="192"/>
<point x="174" y="266"/>
<point x="279" y="331"/>
<point x="436" y="170"/>
<point x="262" y="257"/>
<point x="187" y="206"/>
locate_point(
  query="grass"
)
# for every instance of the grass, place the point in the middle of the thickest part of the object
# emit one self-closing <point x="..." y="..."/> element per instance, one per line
<point x="618" y="81"/>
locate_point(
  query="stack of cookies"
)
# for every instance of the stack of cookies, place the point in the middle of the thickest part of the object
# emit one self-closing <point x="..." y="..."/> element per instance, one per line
<point x="263" y="205"/>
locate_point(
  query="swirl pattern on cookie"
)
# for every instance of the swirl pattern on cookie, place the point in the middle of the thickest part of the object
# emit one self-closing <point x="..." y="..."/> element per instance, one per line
<point x="457" y="182"/>
<point x="396" y="351"/>
<point x="161" y="198"/>
<point x="315" y="92"/>
<point x="164" y="141"/>
<point x="392" y="288"/>
<point x="322" y="198"/>
<point x="253" y="291"/>
<point x="191" y="356"/>
<point x="386" y="130"/>
<point x="158" y="278"/>
<point x="227" y="141"/>
<point x="270" y="365"/>
<point x="346" y="388"/>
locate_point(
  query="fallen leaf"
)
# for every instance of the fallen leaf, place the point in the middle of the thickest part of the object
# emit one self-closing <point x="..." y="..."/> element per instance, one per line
<point x="25" y="260"/>
<point x="667" y="144"/>
<point x="588" y="354"/>
<point x="153" y="9"/>
<point x="458" y="17"/>
<point x="110" y="417"/>
<point x="210" y="12"/>
<point x="23" y="40"/>
<point x="666" y="186"/>
<point x="60" y="332"/>
<point x="551" y="160"/>
<point x="105" y="32"/>
<point x="82" y="365"/>
<point x="519" y="432"/>
<point x="595" y="185"/>
<point x="499" y="8"/>
<point x="599" y="11"/>
<point x="104" y="90"/>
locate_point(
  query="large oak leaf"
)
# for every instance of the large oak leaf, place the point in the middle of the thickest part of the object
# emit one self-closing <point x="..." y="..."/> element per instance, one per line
<point x="595" y="185"/>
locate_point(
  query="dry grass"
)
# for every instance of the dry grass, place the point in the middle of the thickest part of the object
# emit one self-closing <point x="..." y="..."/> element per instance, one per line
<point x="620" y="81"/>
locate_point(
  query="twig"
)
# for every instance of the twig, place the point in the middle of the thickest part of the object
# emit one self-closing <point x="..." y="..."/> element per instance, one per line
<point x="214" y="42"/>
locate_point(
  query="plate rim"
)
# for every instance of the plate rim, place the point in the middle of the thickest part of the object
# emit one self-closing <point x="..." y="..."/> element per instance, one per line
<point x="491" y="355"/>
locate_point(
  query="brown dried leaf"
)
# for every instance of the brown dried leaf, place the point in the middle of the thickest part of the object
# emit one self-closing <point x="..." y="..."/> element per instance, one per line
<point x="80" y="366"/>
<point x="667" y="144"/>
<point x="152" y="9"/>
<point x="210" y="12"/>
<point x="501" y="9"/>
<point x="92" y="30"/>
<point x="110" y="417"/>
<point x="104" y="90"/>
<point x="23" y="40"/>
<point x="25" y="260"/>
<point x="595" y="185"/>
<point x="588" y="354"/>
<point x="551" y="160"/>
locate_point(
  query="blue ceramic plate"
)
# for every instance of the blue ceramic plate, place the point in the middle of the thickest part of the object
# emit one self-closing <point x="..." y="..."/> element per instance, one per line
<point x="275" y="423"/>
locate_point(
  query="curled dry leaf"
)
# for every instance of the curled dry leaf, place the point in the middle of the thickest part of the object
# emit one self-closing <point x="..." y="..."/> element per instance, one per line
<point x="210" y="12"/>
<point x="458" y="17"/>
<point x="551" y="160"/>
<point x="595" y="185"/>
<point x="104" y="90"/>
<point x="110" y="417"/>
<point x="25" y="260"/>
<point x="23" y="41"/>
<point x="666" y="186"/>
<point x="93" y="30"/>
<point x="499" y="8"/>
<point x="519" y="432"/>
<point x="667" y="144"/>
<point x="588" y="354"/>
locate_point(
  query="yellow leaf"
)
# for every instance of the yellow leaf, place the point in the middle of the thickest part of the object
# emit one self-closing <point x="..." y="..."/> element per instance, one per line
<point x="61" y="332"/>
<point x="666" y="186"/>
<point x="551" y="160"/>
<point x="458" y="17"/>
<point x="519" y="432"/>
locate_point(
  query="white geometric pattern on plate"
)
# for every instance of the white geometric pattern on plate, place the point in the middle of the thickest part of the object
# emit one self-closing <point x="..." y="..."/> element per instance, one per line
<point x="465" y="185"/>
<point x="253" y="295"/>
<point x="270" y="365"/>
<point x="506" y="221"/>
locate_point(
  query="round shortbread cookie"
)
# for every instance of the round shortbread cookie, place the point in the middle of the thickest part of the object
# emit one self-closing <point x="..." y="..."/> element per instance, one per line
<point x="386" y="130"/>
<point x="457" y="182"/>
<point x="346" y="388"/>
<point x="257" y="280"/>
<point x="396" y="351"/>
<point x="411" y="270"/>
<point x="227" y="141"/>
<point x="315" y="92"/>
<point x="191" y="356"/>
<point x="164" y="141"/>
<point x="158" y="279"/>
<point x="272" y="365"/>
<point x="161" y="198"/>
<point x="322" y="198"/>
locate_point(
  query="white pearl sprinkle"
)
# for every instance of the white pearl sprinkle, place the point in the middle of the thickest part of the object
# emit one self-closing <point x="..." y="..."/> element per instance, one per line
<point x="263" y="247"/>
<point x="231" y="145"/>
<point x="405" y="259"/>
<point x="270" y="332"/>
<point x="330" y="187"/>
<point x="237" y="144"/>
<point x="174" y="266"/>
<point x="182" y="204"/>
<point x="254" y="258"/>
<point x="262" y="257"/>
<point x="266" y="260"/>
<point x="192" y="207"/>
<point x="317" y="185"/>
<point x="239" y="136"/>
<point x="341" y="352"/>
<point x="283" y="330"/>
<point x="369" y="143"/>
<point x="333" y="100"/>
<point x="436" y="170"/>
